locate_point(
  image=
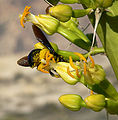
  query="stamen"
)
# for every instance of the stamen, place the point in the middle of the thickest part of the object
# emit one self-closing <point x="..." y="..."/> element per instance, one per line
<point x="81" y="56"/>
<point x="26" y="12"/>
<point x="69" y="73"/>
<point x="92" y="61"/>
<point x="48" y="60"/>
<point x="53" y="60"/>
<point x="42" y="70"/>
<point x="84" y="68"/>
<point x="71" y="63"/>
<point x="77" y="73"/>
<point x="73" y="66"/>
<point x="91" y="93"/>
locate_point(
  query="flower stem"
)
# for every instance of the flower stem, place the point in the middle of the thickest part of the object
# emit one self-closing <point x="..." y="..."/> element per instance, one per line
<point x="66" y="54"/>
<point x="109" y="89"/>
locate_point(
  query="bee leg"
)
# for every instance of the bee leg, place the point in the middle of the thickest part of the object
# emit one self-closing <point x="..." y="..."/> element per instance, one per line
<point x="54" y="74"/>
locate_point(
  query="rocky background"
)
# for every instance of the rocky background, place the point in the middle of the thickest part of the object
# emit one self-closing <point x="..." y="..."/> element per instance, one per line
<point x="26" y="94"/>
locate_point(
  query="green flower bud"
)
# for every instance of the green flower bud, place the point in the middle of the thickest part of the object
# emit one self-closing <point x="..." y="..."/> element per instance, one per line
<point x="95" y="102"/>
<point x="48" y="23"/>
<point x="61" y="12"/>
<point x="97" y="3"/>
<point x="72" y="101"/>
<point x="95" y="75"/>
<point x="107" y="3"/>
<point x="61" y="69"/>
<point x="103" y="3"/>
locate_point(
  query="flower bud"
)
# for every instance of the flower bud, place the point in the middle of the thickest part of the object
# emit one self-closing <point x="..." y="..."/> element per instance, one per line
<point x="48" y="23"/>
<point x="107" y="3"/>
<point x="103" y="3"/>
<point x="95" y="102"/>
<point x="61" y="69"/>
<point x="94" y="75"/>
<point x="61" y="12"/>
<point x="72" y="101"/>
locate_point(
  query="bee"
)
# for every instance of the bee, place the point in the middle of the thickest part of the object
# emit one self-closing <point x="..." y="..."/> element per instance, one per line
<point x="40" y="58"/>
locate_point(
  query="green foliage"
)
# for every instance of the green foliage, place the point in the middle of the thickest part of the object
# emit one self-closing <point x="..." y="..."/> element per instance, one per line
<point x="108" y="34"/>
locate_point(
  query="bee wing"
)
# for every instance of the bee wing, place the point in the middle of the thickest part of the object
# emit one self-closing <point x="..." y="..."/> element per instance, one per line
<point x="42" y="38"/>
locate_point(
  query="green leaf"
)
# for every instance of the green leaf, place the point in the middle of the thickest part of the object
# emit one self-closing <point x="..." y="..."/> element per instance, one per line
<point x="52" y="2"/>
<point x="108" y="33"/>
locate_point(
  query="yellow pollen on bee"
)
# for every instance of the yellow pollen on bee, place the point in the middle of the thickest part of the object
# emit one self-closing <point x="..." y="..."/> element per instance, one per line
<point x="92" y="61"/>
<point x="26" y="12"/>
<point x="40" y="68"/>
<point x="47" y="54"/>
<point x="81" y="56"/>
<point x="48" y="59"/>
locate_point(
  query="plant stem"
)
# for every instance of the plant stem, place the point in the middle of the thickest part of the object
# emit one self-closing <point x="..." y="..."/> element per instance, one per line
<point x="109" y="89"/>
<point x="95" y="51"/>
<point x="66" y="54"/>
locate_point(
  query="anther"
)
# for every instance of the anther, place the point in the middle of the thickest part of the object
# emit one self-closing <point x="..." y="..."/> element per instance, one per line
<point x="69" y="73"/>
<point x="71" y="63"/>
<point x="73" y="66"/>
<point x="91" y="93"/>
<point x="92" y="61"/>
<point x="42" y="70"/>
<point x="26" y="12"/>
<point x="77" y="73"/>
<point x="81" y="56"/>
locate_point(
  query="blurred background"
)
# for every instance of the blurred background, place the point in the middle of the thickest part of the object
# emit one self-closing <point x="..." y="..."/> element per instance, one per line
<point x="25" y="93"/>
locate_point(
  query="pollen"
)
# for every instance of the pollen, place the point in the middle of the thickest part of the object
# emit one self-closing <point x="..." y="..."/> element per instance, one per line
<point x="92" y="61"/>
<point x="25" y="13"/>
<point x="48" y="60"/>
<point x="40" y="68"/>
